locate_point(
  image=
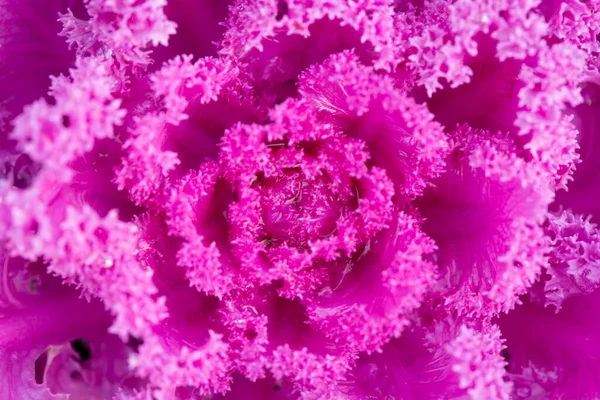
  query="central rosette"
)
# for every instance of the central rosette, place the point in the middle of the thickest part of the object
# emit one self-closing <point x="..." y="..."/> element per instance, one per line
<point x="297" y="210"/>
<point x="307" y="198"/>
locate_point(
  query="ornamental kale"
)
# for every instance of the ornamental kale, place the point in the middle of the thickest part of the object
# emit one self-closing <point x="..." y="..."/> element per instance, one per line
<point x="299" y="199"/>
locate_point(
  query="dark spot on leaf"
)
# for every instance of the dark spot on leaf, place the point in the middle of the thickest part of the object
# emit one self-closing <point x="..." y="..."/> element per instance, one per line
<point x="134" y="343"/>
<point x="282" y="9"/>
<point x="23" y="178"/>
<point x="82" y="348"/>
<point x="23" y="172"/>
<point x="40" y="367"/>
<point x="507" y="357"/>
<point x="66" y="121"/>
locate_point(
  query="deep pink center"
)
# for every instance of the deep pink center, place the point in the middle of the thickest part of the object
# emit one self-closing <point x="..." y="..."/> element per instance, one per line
<point x="297" y="210"/>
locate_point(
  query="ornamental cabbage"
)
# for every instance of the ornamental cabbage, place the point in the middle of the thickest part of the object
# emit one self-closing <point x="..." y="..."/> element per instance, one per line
<point x="299" y="199"/>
